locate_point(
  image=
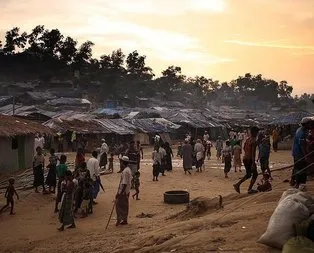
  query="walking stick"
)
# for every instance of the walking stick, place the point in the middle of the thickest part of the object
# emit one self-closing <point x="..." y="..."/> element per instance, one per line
<point x="114" y="204"/>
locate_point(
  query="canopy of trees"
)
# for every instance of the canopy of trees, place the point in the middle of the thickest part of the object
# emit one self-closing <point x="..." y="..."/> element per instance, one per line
<point x="44" y="54"/>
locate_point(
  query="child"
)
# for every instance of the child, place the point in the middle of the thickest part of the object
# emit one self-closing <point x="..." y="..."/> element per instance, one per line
<point x="208" y="149"/>
<point x="265" y="185"/>
<point x="61" y="170"/>
<point x="179" y="153"/>
<point x="111" y="163"/>
<point x="51" y="179"/>
<point x="237" y="151"/>
<point x="136" y="185"/>
<point x="227" y="158"/>
<point x="9" y="196"/>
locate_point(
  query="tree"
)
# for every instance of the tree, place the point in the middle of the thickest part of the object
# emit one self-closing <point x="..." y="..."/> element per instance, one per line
<point x="35" y="40"/>
<point x="14" y="40"/>
<point x="67" y="50"/>
<point x="284" y="90"/>
<point x="135" y="66"/>
<point x="52" y="42"/>
<point x="83" y="55"/>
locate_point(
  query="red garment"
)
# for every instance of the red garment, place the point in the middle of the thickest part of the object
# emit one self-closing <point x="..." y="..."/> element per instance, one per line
<point x="80" y="158"/>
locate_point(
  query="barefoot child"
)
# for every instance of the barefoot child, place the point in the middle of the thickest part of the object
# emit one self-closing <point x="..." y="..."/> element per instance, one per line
<point x="9" y="194"/>
<point x="227" y="158"/>
<point x="136" y="185"/>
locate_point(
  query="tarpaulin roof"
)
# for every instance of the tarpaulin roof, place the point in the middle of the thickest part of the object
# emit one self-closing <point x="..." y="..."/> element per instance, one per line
<point x="69" y="101"/>
<point x="79" y="126"/>
<point x="118" y="126"/>
<point x="153" y="125"/>
<point x="291" y="119"/>
<point x="193" y="119"/>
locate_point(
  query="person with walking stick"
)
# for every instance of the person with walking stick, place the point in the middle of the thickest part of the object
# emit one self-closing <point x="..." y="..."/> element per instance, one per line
<point x="122" y="197"/>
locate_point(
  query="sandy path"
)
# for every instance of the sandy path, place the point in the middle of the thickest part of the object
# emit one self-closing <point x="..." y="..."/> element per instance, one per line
<point x="33" y="228"/>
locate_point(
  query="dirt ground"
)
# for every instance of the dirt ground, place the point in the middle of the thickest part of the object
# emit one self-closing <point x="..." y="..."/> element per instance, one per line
<point x="235" y="228"/>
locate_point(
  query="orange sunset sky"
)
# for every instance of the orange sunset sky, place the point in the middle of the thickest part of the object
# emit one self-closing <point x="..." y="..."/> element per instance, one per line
<point x="221" y="39"/>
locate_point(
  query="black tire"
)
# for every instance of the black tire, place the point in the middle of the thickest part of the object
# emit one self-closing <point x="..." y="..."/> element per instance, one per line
<point x="176" y="197"/>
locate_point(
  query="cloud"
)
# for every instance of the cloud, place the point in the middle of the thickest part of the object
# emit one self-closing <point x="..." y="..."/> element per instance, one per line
<point x="163" y="7"/>
<point x="269" y="44"/>
<point x="165" y="45"/>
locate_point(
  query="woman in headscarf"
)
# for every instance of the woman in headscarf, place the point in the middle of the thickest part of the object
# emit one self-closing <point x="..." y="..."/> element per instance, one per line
<point x="168" y="157"/>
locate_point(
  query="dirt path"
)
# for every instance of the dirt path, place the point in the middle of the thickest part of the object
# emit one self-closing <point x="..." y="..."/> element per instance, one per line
<point x="33" y="228"/>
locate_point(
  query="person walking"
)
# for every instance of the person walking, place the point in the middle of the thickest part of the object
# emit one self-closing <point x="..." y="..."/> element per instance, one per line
<point x="122" y="197"/>
<point x="187" y="154"/>
<point x="249" y="159"/>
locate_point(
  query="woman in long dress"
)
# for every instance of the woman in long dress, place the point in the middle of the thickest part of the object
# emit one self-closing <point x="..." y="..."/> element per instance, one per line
<point x="38" y="170"/>
<point x="187" y="153"/>
<point x="168" y="158"/>
<point x="66" y="217"/>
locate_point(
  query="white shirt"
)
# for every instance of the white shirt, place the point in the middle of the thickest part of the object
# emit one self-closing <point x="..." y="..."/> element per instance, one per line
<point x="104" y="148"/>
<point x="126" y="179"/>
<point x="39" y="142"/>
<point x="93" y="167"/>
<point x="206" y="137"/>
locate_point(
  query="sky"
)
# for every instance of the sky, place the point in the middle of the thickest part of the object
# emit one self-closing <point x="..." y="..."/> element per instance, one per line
<point x="220" y="39"/>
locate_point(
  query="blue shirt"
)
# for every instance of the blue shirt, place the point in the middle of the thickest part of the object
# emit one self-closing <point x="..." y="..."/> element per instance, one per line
<point x="299" y="139"/>
<point x="263" y="150"/>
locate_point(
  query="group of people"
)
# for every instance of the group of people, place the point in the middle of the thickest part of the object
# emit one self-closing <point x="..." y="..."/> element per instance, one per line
<point x="162" y="159"/>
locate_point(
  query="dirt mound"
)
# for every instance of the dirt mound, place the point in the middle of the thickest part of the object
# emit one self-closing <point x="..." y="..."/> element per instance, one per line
<point x="199" y="206"/>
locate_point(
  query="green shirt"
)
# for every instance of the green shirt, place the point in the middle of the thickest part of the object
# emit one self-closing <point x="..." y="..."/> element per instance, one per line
<point x="61" y="169"/>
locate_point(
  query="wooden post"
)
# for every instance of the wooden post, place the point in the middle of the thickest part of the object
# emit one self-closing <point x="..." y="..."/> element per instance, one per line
<point x="13" y="112"/>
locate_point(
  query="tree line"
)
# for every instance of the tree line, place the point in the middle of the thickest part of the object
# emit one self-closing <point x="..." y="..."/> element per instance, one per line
<point x="45" y="54"/>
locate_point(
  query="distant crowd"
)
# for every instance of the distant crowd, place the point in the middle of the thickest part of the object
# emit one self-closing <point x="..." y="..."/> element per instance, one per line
<point x="77" y="191"/>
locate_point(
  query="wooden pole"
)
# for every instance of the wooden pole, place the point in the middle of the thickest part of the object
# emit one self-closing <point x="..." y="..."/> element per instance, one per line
<point x="13" y="111"/>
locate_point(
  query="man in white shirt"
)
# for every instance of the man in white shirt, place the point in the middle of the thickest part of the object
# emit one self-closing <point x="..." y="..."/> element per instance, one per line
<point x="122" y="197"/>
<point x="39" y="142"/>
<point x="93" y="168"/>
<point x="104" y="149"/>
<point x="206" y="136"/>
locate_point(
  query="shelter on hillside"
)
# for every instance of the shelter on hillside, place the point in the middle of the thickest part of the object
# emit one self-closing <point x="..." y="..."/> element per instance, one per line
<point x="17" y="142"/>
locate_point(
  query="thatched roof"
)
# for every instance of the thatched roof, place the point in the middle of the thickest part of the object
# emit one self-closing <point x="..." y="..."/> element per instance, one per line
<point x="13" y="126"/>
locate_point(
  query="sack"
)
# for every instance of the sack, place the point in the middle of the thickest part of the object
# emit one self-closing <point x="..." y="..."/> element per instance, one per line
<point x="289" y="211"/>
<point x="299" y="244"/>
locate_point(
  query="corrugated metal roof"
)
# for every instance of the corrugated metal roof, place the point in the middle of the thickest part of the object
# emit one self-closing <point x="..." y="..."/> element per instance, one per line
<point x="40" y="96"/>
